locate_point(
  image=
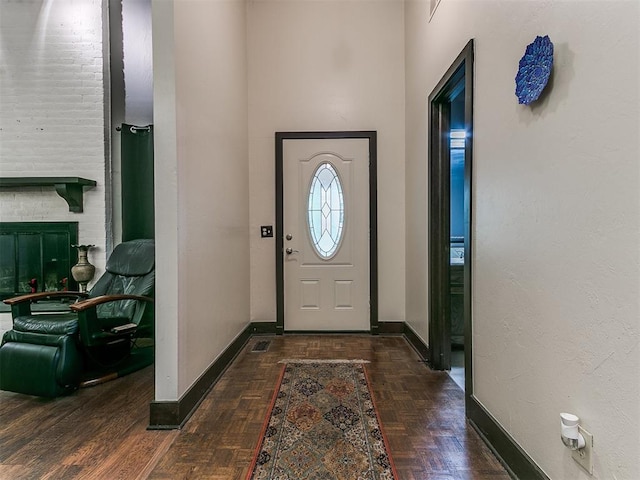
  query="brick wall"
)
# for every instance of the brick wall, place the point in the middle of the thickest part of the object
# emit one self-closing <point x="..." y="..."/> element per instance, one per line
<point x="52" y="110"/>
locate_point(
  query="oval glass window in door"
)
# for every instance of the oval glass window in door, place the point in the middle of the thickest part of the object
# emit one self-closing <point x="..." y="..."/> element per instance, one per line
<point x="325" y="211"/>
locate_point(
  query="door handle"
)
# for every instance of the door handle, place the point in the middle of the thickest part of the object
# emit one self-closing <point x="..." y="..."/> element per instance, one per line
<point x="291" y="250"/>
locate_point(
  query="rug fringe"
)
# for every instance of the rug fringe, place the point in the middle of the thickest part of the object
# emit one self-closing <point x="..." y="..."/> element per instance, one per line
<point x="310" y="360"/>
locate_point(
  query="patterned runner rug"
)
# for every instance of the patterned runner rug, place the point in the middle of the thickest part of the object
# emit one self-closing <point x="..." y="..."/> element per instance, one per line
<point x="322" y="424"/>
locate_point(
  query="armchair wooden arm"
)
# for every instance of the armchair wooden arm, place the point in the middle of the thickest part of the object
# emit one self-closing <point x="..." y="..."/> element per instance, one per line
<point x="34" y="297"/>
<point x="95" y="301"/>
<point x="92" y="331"/>
<point x="21" y="305"/>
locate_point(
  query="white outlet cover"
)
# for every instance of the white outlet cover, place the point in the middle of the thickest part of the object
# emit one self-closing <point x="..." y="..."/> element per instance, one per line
<point x="584" y="456"/>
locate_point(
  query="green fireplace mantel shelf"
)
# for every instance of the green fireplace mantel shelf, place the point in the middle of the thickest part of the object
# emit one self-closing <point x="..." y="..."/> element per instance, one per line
<point x="69" y="188"/>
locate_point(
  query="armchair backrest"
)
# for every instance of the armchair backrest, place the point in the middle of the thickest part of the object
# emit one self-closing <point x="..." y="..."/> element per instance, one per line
<point x="129" y="270"/>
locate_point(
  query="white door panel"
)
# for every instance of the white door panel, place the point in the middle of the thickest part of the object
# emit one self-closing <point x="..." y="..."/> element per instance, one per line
<point x="326" y="288"/>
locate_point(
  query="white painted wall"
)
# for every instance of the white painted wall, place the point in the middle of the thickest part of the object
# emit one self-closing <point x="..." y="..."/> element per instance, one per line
<point x="138" y="65"/>
<point x="165" y="159"/>
<point x="321" y="66"/>
<point x="556" y="211"/>
<point x="416" y="186"/>
<point x="202" y="197"/>
<point x="51" y="111"/>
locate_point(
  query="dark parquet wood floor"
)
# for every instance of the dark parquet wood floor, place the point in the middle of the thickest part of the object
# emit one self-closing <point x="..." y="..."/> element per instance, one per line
<point x="100" y="432"/>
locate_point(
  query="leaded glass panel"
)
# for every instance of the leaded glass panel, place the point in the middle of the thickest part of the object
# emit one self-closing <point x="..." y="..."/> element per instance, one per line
<point x="325" y="210"/>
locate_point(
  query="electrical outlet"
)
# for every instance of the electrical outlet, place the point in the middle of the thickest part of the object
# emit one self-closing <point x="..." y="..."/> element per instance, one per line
<point x="584" y="456"/>
<point x="266" y="231"/>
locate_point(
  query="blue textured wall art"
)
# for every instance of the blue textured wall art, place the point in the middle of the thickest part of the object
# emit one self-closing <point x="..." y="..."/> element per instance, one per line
<point x="534" y="70"/>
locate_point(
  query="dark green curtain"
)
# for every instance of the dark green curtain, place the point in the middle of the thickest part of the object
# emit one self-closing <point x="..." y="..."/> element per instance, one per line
<point x="137" y="182"/>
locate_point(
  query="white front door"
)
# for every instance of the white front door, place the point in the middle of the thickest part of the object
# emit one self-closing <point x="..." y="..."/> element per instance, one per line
<point x="326" y="234"/>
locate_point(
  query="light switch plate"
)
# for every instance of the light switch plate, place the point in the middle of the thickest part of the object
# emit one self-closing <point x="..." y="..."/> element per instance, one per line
<point x="584" y="456"/>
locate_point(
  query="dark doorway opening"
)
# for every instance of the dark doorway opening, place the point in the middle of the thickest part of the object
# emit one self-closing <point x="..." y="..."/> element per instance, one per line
<point x="450" y="167"/>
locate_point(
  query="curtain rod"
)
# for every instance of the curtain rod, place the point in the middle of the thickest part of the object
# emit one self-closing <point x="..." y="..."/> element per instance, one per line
<point x="134" y="129"/>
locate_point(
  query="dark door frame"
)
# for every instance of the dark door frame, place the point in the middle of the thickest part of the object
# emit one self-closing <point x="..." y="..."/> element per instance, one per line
<point x="373" y="218"/>
<point x="459" y="75"/>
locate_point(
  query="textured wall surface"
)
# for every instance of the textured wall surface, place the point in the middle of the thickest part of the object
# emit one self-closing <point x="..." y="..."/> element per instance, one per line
<point x="556" y="219"/>
<point x="202" y="198"/>
<point x="322" y="66"/>
<point x="52" y="111"/>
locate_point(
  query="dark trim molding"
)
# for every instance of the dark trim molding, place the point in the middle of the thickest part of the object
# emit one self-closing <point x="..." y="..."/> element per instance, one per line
<point x="510" y="454"/>
<point x="391" y="328"/>
<point x="416" y="342"/>
<point x="373" y="218"/>
<point x="171" y="415"/>
<point x="263" y="328"/>
<point x="326" y="332"/>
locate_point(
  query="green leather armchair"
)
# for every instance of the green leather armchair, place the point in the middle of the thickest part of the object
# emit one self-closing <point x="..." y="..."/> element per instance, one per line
<point x="53" y="354"/>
